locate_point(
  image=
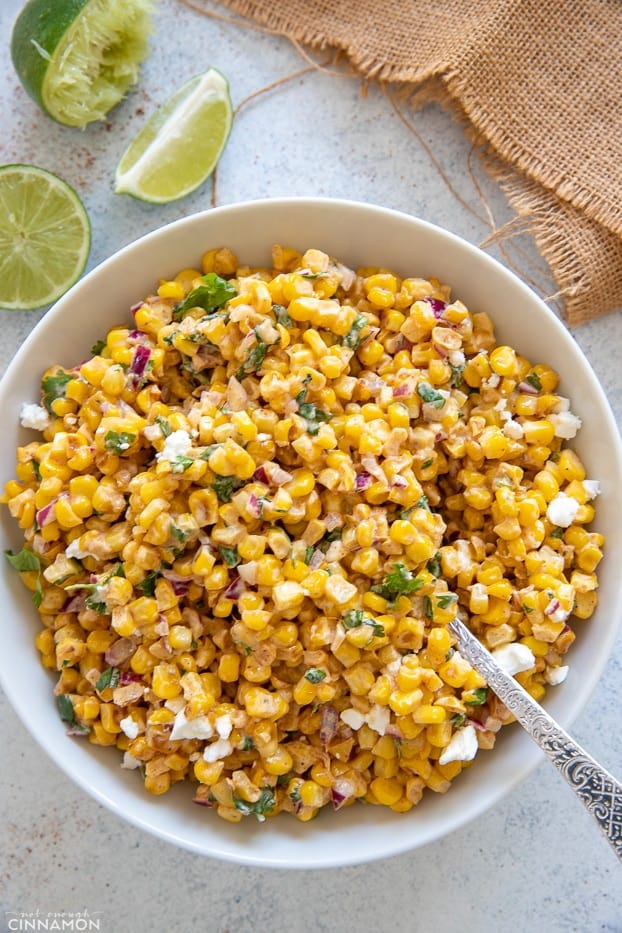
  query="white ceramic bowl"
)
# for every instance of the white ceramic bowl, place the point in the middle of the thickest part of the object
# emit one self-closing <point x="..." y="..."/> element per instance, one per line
<point x="358" y="234"/>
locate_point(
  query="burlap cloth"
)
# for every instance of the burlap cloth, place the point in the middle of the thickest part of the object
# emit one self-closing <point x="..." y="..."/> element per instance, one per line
<point x="540" y="82"/>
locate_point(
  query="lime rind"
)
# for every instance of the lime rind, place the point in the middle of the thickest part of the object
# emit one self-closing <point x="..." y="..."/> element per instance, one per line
<point x="45" y="237"/>
<point x="180" y="145"/>
<point x="78" y="58"/>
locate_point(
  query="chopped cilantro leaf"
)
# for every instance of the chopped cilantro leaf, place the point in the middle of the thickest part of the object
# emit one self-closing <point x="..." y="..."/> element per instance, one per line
<point x="97" y="348"/>
<point x="180" y="464"/>
<point x="230" y="556"/>
<point x="164" y="426"/>
<point x="354" y="618"/>
<point x="225" y="486"/>
<point x="109" y="678"/>
<point x="422" y="503"/>
<point x="557" y="533"/>
<point x="118" y="441"/>
<point x="534" y="380"/>
<point x="398" y="582"/>
<point x="179" y="534"/>
<point x="255" y="358"/>
<point x="476" y="697"/>
<point x="54" y="387"/>
<point x="209" y="450"/>
<point x="23" y="561"/>
<point x="95" y="604"/>
<point x="456" y="376"/>
<point x="445" y="600"/>
<point x="434" y="565"/>
<point x="213" y="293"/>
<point x="428" y="608"/>
<point x="429" y="394"/>
<point x="281" y="315"/>
<point x="353" y="338"/>
<point x="427" y="463"/>
<point x="294" y="794"/>
<point x="265" y="804"/>
<point x="315" y="675"/>
<point x="313" y="415"/>
<point x="458" y="720"/>
<point x="308" y="553"/>
<point x="67" y="714"/>
<point x="247" y="744"/>
<point x="148" y="585"/>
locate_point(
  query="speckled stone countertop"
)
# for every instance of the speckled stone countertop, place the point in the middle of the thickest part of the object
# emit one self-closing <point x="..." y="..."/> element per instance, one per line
<point x="535" y="862"/>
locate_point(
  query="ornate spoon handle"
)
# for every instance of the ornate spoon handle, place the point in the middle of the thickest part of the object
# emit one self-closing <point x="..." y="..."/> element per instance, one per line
<point x="599" y="790"/>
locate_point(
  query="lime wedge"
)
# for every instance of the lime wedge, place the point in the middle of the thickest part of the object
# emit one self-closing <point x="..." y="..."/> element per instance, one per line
<point x="180" y="144"/>
<point x="78" y="58"/>
<point x="45" y="237"/>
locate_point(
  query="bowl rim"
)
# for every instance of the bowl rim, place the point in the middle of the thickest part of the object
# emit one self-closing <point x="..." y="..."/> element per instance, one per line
<point x="393" y="845"/>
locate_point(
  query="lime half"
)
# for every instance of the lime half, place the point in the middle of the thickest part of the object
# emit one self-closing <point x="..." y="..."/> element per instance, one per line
<point x="78" y="58"/>
<point x="179" y="146"/>
<point x="45" y="237"/>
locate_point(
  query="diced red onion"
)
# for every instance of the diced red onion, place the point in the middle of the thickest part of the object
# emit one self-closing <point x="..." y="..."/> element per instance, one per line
<point x="76" y="730"/>
<point x="135" y="335"/>
<point x="400" y="482"/>
<point x="180" y="588"/>
<point x="476" y="724"/>
<point x="260" y="475"/>
<point x="76" y="603"/>
<point x="437" y="306"/>
<point x="363" y="481"/>
<point x="254" y="506"/>
<point x="329" y="723"/>
<point x="552" y="607"/>
<point x="248" y="572"/>
<point x="333" y="520"/>
<point x="140" y="360"/>
<point x="235" y="589"/>
<point x="317" y="559"/>
<point x="129" y="677"/>
<point x="203" y="802"/>
<point x="527" y="388"/>
<point x="405" y="390"/>
<point x="394" y="731"/>
<point x="119" y="651"/>
<point x="46" y="515"/>
<point x="136" y="306"/>
<point x="338" y="799"/>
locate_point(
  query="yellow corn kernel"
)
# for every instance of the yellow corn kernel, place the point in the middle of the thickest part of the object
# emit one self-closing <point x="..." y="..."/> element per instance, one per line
<point x="174" y="290"/>
<point x="165" y="681"/>
<point x="208" y="772"/>
<point x="503" y="361"/>
<point x="264" y="704"/>
<point x="387" y="791"/>
<point x="539" y="432"/>
<point x="404" y="702"/>
<point x="427" y="714"/>
<point x="229" y="667"/>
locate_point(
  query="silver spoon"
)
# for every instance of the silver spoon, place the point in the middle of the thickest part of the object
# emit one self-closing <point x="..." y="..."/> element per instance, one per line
<point x="595" y="787"/>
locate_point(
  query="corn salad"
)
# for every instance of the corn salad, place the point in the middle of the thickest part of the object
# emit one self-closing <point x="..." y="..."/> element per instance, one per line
<point x="253" y="511"/>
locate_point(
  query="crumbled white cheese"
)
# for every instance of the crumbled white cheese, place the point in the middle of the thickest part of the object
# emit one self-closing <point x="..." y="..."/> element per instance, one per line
<point x="562" y="510"/>
<point x="462" y="747"/>
<point x="592" y="488"/>
<point x="175" y="704"/>
<point x="565" y="423"/>
<point x="563" y="404"/>
<point x="352" y="718"/>
<point x="152" y="432"/>
<point x="224" y="726"/>
<point x="514" y="658"/>
<point x="556" y="675"/>
<point x="34" y="416"/>
<point x="513" y="430"/>
<point x="177" y="444"/>
<point x="129" y="726"/>
<point x="129" y="762"/>
<point x="492" y="382"/>
<point x="217" y="750"/>
<point x="198" y="728"/>
<point x="378" y="718"/>
<point x="456" y="358"/>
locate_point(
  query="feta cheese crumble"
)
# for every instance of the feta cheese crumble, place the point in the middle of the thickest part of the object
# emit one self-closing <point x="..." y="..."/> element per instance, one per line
<point x="592" y="488"/>
<point x="562" y="510"/>
<point x="177" y="444"/>
<point x="462" y="747"/>
<point x="565" y="423"/>
<point x="217" y="750"/>
<point x="352" y="718"/>
<point x="129" y="726"/>
<point x="34" y="416"/>
<point x="198" y="728"/>
<point x="556" y="675"/>
<point x="514" y="658"/>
